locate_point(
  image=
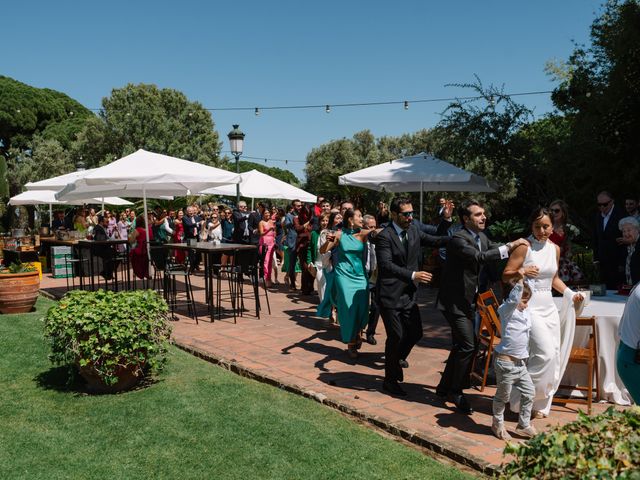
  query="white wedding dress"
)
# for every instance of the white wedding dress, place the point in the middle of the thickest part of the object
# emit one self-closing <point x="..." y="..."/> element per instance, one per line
<point x="551" y="333"/>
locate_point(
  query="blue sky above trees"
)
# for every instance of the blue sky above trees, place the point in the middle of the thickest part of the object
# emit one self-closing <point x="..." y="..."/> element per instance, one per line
<point x="259" y="54"/>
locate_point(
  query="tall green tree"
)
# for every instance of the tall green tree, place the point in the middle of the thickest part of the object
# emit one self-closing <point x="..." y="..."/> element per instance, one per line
<point x="27" y="110"/>
<point x="145" y="116"/>
<point x="600" y="97"/>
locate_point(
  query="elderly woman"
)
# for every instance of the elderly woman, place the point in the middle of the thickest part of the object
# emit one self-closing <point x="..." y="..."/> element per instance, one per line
<point x="630" y="229"/>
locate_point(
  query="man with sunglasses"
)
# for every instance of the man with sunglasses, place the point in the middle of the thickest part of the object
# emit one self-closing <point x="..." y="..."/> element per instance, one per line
<point x="606" y="248"/>
<point x="398" y="252"/>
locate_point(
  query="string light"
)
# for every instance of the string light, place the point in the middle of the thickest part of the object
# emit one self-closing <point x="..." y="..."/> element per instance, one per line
<point x="327" y="107"/>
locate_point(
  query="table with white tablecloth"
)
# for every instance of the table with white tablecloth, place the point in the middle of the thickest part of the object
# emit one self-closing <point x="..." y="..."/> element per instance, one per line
<point x="608" y="312"/>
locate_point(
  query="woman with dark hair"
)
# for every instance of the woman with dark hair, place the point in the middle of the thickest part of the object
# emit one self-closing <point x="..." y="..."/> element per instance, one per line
<point x="551" y="333"/>
<point x="562" y="234"/>
<point x="350" y="287"/>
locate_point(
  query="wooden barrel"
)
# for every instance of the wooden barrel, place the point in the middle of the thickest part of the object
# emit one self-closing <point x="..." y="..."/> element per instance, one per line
<point x="18" y="291"/>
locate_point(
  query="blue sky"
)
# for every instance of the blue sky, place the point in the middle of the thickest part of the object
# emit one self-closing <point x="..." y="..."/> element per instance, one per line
<point x="261" y="53"/>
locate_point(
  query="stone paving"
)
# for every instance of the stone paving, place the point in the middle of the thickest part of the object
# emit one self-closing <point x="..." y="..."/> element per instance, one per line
<point x="296" y="351"/>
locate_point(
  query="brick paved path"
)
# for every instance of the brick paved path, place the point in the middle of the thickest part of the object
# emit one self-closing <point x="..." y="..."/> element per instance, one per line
<point x="297" y="351"/>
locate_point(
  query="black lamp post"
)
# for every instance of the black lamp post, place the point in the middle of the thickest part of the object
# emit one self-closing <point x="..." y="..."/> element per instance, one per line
<point x="236" y="140"/>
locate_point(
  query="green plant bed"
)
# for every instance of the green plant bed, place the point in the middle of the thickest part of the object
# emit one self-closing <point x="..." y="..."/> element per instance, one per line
<point x="600" y="446"/>
<point x="197" y="421"/>
<point x="113" y="339"/>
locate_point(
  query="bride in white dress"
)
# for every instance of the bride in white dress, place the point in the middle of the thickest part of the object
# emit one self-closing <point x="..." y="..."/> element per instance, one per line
<point x="551" y="336"/>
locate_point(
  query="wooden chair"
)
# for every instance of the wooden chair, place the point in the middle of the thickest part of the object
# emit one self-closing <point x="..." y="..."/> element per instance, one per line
<point x="488" y="299"/>
<point x="488" y="339"/>
<point x="584" y="356"/>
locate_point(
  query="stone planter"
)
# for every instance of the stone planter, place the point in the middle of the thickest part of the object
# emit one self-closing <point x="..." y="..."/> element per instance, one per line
<point x="127" y="379"/>
<point x="19" y="291"/>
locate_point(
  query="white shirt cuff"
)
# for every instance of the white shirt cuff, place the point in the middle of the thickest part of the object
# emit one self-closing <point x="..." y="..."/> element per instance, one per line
<point x="504" y="251"/>
<point x="413" y="275"/>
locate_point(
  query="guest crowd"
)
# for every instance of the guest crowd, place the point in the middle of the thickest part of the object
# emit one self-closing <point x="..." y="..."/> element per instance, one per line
<point x="369" y="265"/>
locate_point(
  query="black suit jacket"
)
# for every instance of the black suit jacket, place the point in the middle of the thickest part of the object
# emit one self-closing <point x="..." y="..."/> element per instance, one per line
<point x="191" y="223"/>
<point x="395" y="288"/>
<point x="459" y="282"/>
<point x="605" y="247"/>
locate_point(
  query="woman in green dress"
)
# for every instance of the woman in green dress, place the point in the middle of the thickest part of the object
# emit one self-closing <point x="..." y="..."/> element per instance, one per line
<point x="350" y="285"/>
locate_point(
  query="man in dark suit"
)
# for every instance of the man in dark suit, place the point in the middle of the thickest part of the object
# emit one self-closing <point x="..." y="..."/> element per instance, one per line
<point x="606" y="248"/>
<point x="467" y="252"/>
<point x="398" y="254"/>
<point x="105" y="252"/>
<point x="191" y="224"/>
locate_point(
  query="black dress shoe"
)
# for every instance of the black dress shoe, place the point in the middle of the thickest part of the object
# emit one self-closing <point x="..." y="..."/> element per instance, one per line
<point x="392" y="387"/>
<point x="404" y="363"/>
<point x="441" y="393"/>
<point x="462" y="404"/>
<point x="371" y="340"/>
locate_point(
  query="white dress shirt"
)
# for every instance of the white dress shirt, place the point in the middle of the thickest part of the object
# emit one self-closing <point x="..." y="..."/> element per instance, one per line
<point x="516" y="325"/>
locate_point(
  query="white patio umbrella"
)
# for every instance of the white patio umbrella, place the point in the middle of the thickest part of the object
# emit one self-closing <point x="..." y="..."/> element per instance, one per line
<point x="416" y="173"/>
<point x="44" y="197"/>
<point x="144" y="174"/>
<point x="255" y="184"/>
<point x="59" y="182"/>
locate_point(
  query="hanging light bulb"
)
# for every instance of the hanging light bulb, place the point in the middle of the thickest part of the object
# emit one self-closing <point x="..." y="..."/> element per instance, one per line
<point x="492" y="101"/>
<point x="327" y="108"/>
<point x="257" y="111"/>
<point x="406" y="105"/>
<point x="265" y="160"/>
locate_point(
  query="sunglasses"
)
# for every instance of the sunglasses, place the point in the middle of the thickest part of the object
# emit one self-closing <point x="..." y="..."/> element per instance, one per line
<point x="406" y="214"/>
<point x="605" y="204"/>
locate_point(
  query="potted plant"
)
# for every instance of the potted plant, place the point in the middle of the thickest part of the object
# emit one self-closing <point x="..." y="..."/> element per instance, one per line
<point x="113" y="339"/>
<point x="19" y="287"/>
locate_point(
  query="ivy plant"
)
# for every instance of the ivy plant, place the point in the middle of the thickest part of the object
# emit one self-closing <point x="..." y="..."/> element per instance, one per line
<point x="599" y="446"/>
<point x="108" y="331"/>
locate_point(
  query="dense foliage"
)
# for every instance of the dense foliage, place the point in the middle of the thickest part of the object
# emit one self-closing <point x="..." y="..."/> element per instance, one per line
<point x="145" y="116"/>
<point x="109" y="331"/>
<point x="17" y="267"/>
<point x="600" y="446"/>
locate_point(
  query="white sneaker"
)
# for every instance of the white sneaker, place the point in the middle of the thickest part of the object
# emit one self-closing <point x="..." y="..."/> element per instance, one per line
<point x="528" y="432"/>
<point x="499" y="431"/>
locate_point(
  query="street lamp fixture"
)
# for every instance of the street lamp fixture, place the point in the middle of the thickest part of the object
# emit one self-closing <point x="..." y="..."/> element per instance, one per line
<point x="236" y="141"/>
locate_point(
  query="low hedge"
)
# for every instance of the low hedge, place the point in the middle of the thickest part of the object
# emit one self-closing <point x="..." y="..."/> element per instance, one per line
<point x="108" y="331"/>
<point x="600" y="446"/>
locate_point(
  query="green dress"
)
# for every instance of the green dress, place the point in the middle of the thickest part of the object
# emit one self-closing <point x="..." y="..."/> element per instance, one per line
<point x="350" y="286"/>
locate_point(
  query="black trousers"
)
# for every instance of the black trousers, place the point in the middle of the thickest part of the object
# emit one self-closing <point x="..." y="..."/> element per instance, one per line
<point x="306" y="279"/>
<point x="374" y="313"/>
<point x="404" y="330"/>
<point x="293" y="256"/>
<point x="456" y="374"/>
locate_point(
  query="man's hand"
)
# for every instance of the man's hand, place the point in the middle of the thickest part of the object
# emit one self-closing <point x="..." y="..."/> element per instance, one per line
<point x="516" y="243"/>
<point x="423" y="277"/>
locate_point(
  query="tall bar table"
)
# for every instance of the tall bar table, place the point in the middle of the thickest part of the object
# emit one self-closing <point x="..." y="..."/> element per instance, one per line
<point x="208" y="249"/>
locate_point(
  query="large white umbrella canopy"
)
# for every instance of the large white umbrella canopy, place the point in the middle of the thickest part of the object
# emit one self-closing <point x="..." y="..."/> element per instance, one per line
<point x="43" y="197"/>
<point x="59" y="182"/>
<point x="417" y="173"/>
<point x="145" y="174"/>
<point x="255" y="184"/>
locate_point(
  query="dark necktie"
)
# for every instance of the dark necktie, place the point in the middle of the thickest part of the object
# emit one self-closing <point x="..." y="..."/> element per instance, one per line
<point x="478" y="242"/>
<point x="403" y="238"/>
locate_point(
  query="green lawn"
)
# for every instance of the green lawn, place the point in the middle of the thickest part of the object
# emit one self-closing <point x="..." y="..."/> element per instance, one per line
<point x="196" y="421"/>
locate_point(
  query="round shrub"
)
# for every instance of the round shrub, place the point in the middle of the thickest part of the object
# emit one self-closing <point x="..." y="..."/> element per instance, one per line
<point x="599" y="446"/>
<point x="109" y="332"/>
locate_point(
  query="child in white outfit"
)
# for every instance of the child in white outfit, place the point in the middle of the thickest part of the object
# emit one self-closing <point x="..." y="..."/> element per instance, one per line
<point x="510" y="362"/>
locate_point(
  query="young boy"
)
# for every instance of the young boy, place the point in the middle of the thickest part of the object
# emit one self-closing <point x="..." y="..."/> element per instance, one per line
<point x="511" y="355"/>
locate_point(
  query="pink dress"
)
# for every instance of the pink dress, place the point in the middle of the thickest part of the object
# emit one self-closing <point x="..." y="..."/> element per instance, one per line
<point x="268" y="243"/>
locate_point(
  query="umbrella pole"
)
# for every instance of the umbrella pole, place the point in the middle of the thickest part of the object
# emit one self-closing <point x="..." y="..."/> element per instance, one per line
<point x="102" y="205"/>
<point x="421" y="201"/>
<point x="50" y="215"/>
<point x="252" y="199"/>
